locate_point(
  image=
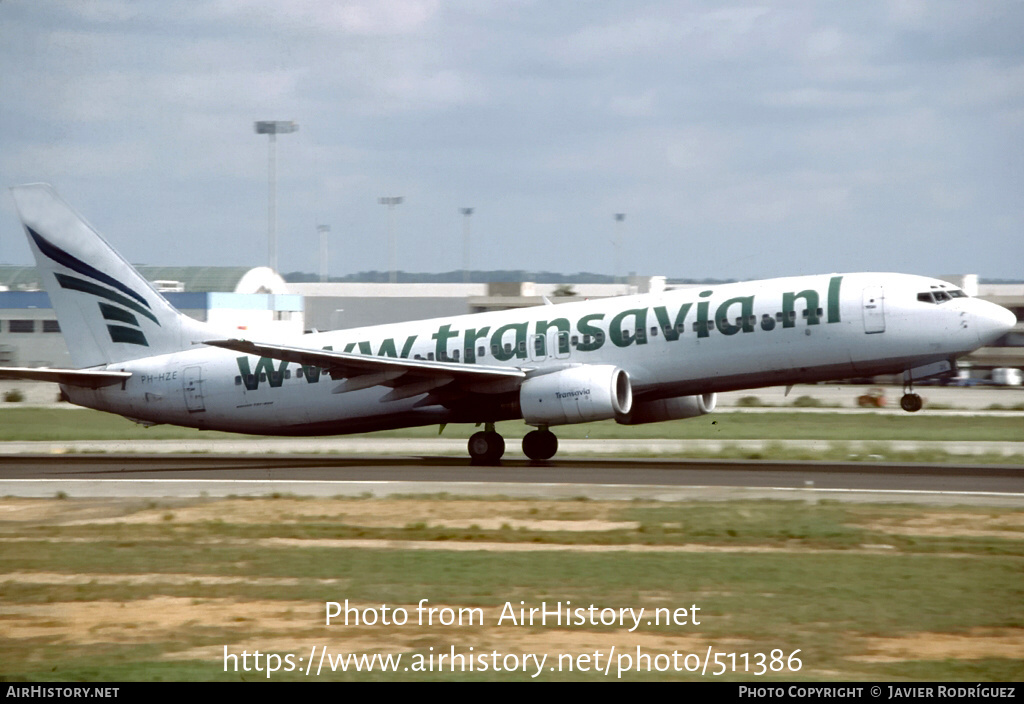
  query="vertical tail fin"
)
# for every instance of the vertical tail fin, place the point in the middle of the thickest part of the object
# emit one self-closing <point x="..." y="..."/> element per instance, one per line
<point x="107" y="311"/>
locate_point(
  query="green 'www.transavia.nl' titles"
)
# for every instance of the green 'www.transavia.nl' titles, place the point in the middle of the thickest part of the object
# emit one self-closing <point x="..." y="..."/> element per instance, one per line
<point x="625" y="328"/>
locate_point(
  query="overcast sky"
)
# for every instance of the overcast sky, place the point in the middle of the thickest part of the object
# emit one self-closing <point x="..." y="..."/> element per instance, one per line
<point x="741" y="140"/>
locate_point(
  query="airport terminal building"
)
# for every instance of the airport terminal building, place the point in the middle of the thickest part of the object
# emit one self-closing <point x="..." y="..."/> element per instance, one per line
<point x="259" y="304"/>
<point x="253" y="302"/>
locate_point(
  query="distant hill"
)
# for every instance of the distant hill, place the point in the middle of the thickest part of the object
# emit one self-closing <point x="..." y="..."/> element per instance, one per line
<point x="478" y="277"/>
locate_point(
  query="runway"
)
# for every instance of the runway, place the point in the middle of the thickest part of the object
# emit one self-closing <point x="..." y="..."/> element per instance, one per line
<point x="666" y="479"/>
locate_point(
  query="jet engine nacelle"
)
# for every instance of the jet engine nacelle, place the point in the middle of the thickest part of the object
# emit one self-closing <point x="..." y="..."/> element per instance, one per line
<point x="669" y="409"/>
<point x="576" y="395"/>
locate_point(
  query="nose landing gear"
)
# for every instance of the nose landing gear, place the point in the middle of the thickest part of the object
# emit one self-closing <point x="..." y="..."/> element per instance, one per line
<point x="910" y="402"/>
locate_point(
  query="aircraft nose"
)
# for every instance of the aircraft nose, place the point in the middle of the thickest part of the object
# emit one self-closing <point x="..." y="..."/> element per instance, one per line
<point x="993" y="322"/>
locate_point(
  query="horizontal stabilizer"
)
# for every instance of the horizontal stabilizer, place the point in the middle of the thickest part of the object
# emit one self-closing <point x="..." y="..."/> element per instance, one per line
<point x="68" y="377"/>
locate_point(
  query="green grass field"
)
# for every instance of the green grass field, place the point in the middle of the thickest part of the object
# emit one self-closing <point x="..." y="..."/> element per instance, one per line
<point x="82" y="424"/>
<point x="822" y="436"/>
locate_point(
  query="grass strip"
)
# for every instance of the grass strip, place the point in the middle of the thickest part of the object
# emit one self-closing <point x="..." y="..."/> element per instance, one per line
<point x="863" y="591"/>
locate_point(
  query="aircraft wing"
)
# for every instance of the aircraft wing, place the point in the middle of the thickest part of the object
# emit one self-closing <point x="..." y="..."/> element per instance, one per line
<point x="70" y="377"/>
<point x="387" y="369"/>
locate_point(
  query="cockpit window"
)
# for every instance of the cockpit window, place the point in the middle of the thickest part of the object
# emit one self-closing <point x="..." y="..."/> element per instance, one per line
<point x="940" y="295"/>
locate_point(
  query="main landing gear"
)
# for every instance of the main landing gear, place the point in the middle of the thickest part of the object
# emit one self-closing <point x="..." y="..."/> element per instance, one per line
<point x="487" y="446"/>
<point x="540" y="444"/>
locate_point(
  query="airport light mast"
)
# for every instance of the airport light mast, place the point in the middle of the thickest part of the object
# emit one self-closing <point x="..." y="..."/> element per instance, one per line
<point x="391" y="202"/>
<point x="619" y="219"/>
<point x="273" y="128"/>
<point x="323" y="230"/>
<point x="466" y="212"/>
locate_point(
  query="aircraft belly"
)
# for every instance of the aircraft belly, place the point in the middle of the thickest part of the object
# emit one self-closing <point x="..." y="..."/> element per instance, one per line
<point x="301" y="409"/>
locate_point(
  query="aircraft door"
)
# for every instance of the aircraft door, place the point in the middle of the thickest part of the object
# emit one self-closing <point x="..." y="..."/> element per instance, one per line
<point x="874" y="309"/>
<point x="553" y="345"/>
<point x="558" y="343"/>
<point x="193" y="385"/>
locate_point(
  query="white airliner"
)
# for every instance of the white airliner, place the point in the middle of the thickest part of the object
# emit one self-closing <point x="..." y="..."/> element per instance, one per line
<point x="635" y="359"/>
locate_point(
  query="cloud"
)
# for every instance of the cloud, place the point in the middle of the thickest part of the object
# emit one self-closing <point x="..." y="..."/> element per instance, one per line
<point x="357" y="17"/>
<point x="110" y="160"/>
<point x="732" y="122"/>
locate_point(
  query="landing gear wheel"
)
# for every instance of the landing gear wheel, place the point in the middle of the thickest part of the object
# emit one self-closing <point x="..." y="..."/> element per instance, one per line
<point x="486" y="447"/>
<point x="911" y="403"/>
<point x="540" y="445"/>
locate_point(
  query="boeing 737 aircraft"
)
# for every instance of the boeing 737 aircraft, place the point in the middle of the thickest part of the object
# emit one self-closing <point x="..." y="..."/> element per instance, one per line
<point x="634" y="359"/>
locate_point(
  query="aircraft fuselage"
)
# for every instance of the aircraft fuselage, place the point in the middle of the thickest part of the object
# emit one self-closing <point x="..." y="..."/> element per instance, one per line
<point x="677" y="343"/>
